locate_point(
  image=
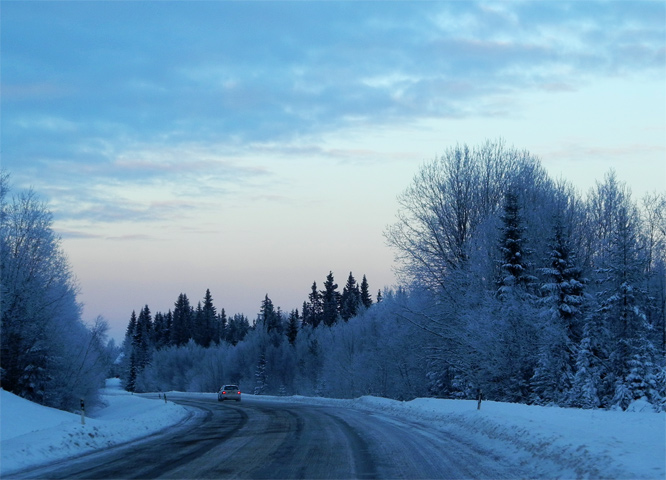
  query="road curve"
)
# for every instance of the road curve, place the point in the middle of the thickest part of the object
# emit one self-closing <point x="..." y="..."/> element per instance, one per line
<point x="261" y="439"/>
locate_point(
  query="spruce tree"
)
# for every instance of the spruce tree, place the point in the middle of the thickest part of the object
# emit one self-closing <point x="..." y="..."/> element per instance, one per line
<point x="131" y="326"/>
<point x="366" y="298"/>
<point x="316" y="307"/>
<point x="268" y="317"/>
<point x="514" y="276"/>
<point x="307" y="316"/>
<point x="292" y="327"/>
<point x="350" y="299"/>
<point x="330" y="301"/>
<point x="261" y="376"/>
<point x="181" y="321"/>
<point x="159" y="329"/>
<point x="168" y="323"/>
<point x="208" y="322"/>
<point x="562" y="301"/>
<point x="516" y="349"/>
<point x="198" y="328"/>
<point x="221" y="331"/>
<point x="237" y="328"/>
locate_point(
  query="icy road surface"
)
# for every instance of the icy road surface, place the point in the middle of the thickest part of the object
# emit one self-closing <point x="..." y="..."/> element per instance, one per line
<point x="286" y="439"/>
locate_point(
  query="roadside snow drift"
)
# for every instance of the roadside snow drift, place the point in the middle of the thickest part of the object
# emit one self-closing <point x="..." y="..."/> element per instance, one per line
<point x="565" y="442"/>
<point x="32" y="434"/>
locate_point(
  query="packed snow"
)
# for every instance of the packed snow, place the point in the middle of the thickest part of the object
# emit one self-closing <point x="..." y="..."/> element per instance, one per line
<point x="564" y="443"/>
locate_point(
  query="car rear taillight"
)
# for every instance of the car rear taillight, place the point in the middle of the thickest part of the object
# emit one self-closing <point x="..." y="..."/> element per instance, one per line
<point x="238" y="393"/>
<point x="224" y="393"/>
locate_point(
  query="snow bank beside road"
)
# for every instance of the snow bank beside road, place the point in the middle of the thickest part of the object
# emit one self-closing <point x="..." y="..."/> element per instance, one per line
<point x="565" y="441"/>
<point x="559" y="442"/>
<point x="32" y="434"/>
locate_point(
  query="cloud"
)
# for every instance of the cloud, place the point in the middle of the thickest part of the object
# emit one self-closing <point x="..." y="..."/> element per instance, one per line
<point x="176" y="101"/>
<point x="585" y="151"/>
<point x="77" y="234"/>
<point x="269" y="71"/>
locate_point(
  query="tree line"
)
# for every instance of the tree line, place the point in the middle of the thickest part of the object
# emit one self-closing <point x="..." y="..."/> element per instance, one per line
<point x="205" y="327"/>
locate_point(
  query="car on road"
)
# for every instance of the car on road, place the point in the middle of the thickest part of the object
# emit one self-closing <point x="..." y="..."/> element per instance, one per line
<point x="229" y="392"/>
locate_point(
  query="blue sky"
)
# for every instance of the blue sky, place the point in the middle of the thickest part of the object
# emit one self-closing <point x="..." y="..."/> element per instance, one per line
<point x="251" y="147"/>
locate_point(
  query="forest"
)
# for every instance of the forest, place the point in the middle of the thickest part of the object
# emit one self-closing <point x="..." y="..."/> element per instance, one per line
<point x="512" y="285"/>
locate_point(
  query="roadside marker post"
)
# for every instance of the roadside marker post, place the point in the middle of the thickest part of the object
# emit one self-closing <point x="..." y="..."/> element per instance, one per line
<point x="83" y="412"/>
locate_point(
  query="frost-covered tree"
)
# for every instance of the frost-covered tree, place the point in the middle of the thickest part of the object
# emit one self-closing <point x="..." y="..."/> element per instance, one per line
<point x="47" y="354"/>
<point x="562" y="315"/>
<point x="449" y="198"/>
<point x="620" y="263"/>
<point x="514" y="271"/>
<point x="260" y="376"/>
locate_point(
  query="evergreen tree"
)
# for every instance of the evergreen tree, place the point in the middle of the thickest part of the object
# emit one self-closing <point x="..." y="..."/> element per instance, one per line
<point x="562" y="330"/>
<point x="238" y="328"/>
<point x="131" y="326"/>
<point x="330" y="301"/>
<point x="587" y="385"/>
<point x="292" y="327"/>
<point x="307" y="316"/>
<point x="142" y="344"/>
<point x="207" y="323"/>
<point x="316" y="308"/>
<point x="168" y="322"/>
<point x="514" y="275"/>
<point x="221" y="332"/>
<point x="159" y="330"/>
<point x="181" y="321"/>
<point x="350" y="299"/>
<point x="130" y="385"/>
<point x="621" y="264"/>
<point x="198" y="328"/>
<point x="268" y="317"/>
<point x="261" y="376"/>
<point x="130" y="363"/>
<point x="632" y="356"/>
<point x="516" y="352"/>
<point x="366" y="298"/>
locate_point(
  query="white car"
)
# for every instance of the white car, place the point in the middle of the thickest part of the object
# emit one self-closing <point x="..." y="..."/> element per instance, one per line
<point x="229" y="392"/>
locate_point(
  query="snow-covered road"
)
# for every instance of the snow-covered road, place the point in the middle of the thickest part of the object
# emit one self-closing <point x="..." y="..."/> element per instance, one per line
<point x="298" y="436"/>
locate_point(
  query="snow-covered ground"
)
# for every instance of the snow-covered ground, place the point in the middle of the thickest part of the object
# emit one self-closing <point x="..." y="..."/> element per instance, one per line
<point x="565" y="442"/>
<point x="32" y="434"/>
